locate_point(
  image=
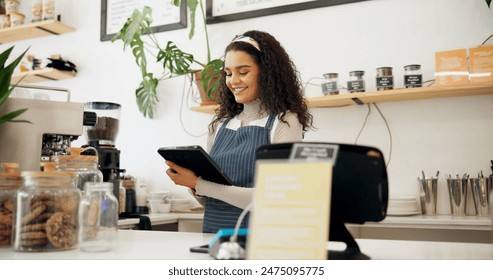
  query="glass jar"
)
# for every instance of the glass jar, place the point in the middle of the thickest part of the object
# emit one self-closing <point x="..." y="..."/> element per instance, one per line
<point x="385" y="79"/>
<point x="10" y="182"/>
<point x="46" y="212"/>
<point x="412" y="76"/>
<point x="356" y="81"/>
<point x="98" y="218"/>
<point x="331" y="84"/>
<point x="84" y="166"/>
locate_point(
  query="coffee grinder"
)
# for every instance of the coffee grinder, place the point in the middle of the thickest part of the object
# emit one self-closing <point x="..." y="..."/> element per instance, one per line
<point x="102" y="137"/>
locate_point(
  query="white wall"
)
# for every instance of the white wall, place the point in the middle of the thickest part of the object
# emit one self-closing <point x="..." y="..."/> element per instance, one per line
<point x="452" y="135"/>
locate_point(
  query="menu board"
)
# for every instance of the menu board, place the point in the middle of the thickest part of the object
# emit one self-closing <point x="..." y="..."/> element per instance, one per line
<point x="165" y="16"/>
<point x="290" y="216"/>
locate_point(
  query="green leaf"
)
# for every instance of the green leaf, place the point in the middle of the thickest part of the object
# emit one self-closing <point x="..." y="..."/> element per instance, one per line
<point x="488" y="2"/>
<point x="6" y="73"/>
<point x="12" y="115"/>
<point x="192" y="6"/>
<point x="146" y="95"/>
<point x="210" y="76"/>
<point x="175" y="60"/>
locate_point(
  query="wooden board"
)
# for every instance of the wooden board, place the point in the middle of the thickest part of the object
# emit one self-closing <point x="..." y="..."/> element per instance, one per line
<point x="33" y="30"/>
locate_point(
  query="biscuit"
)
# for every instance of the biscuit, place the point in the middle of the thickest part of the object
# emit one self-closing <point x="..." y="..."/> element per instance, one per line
<point x="34" y="227"/>
<point x="5" y="220"/>
<point x="6" y="232"/>
<point x="67" y="203"/>
<point x="9" y="205"/>
<point x="61" y="230"/>
<point x="33" y="215"/>
<point x="33" y="242"/>
<point x="33" y="235"/>
<point x="41" y="197"/>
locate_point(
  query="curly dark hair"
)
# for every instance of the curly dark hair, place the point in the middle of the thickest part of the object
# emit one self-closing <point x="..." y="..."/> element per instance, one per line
<point x="279" y="82"/>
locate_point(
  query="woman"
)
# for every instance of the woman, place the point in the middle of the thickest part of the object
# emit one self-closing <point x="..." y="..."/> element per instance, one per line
<point x="261" y="102"/>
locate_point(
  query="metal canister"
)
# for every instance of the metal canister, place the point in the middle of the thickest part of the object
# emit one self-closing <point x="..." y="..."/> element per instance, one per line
<point x="331" y="84"/>
<point x="356" y="81"/>
<point x="384" y="79"/>
<point x="412" y="76"/>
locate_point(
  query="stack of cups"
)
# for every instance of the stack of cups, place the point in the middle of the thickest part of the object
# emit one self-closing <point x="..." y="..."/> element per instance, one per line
<point x="481" y="188"/>
<point x="428" y="194"/>
<point x="457" y="189"/>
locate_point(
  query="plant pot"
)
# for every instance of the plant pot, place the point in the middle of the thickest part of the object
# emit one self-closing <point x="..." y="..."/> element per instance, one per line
<point x="205" y="99"/>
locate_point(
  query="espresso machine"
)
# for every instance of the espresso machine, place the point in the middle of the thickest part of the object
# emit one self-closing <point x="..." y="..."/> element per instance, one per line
<point x="102" y="137"/>
<point x="51" y="127"/>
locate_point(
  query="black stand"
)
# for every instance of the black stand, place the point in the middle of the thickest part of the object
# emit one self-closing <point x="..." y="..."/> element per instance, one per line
<point x="339" y="232"/>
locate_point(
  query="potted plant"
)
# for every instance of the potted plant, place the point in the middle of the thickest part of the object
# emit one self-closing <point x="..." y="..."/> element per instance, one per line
<point x="6" y="89"/>
<point x="174" y="61"/>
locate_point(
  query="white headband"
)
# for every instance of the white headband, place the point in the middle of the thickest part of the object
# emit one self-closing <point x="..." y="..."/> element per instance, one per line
<point x="246" y="39"/>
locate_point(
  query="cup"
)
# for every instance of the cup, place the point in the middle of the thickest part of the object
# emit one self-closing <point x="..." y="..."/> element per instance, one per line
<point x="16" y="19"/>
<point x="48" y="9"/>
<point x="36" y="11"/>
<point x="4" y="21"/>
<point x="457" y="190"/>
<point x="428" y="195"/>
<point x="11" y="6"/>
<point x="481" y="190"/>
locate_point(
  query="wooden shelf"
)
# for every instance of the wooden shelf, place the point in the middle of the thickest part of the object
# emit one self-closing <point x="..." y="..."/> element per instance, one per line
<point x="42" y="75"/>
<point x="386" y="96"/>
<point x="33" y="30"/>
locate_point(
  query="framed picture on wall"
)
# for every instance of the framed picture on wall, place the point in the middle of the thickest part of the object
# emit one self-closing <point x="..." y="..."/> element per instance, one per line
<point x="227" y="10"/>
<point x="165" y="16"/>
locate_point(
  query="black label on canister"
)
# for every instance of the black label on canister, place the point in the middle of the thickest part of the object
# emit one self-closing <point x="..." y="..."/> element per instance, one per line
<point x="413" y="80"/>
<point x="356" y="86"/>
<point x="329" y="87"/>
<point x="385" y="82"/>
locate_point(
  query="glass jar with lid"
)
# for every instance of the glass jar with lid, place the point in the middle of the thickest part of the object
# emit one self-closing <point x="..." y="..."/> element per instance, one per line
<point x="356" y="82"/>
<point x="10" y="182"/>
<point x="46" y="212"/>
<point x="331" y="84"/>
<point x="385" y="78"/>
<point x="98" y="218"/>
<point x="84" y="166"/>
<point x="412" y="76"/>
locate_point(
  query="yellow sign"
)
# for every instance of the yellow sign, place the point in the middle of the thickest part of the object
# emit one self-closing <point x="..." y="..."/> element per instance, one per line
<point x="290" y="216"/>
<point x="451" y="67"/>
<point x="481" y="64"/>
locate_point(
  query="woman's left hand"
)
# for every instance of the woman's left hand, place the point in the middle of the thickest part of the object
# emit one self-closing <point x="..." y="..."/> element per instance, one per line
<point x="181" y="175"/>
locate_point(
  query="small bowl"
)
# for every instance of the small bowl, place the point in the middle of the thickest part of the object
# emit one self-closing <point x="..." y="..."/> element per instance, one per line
<point x="164" y="207"/>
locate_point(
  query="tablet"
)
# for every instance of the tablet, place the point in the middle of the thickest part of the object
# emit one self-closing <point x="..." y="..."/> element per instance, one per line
<point x="196" y="159"/>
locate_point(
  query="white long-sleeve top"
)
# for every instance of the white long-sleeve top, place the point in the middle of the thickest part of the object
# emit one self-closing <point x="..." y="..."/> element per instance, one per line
<point x="289" y="131"/>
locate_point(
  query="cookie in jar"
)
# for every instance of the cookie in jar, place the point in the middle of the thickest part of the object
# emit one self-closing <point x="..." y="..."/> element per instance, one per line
<point x="10" y="182"/>
<point x="46" y="212"/>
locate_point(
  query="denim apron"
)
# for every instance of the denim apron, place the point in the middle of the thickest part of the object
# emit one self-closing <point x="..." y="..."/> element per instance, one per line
<point x="234" y="152"/>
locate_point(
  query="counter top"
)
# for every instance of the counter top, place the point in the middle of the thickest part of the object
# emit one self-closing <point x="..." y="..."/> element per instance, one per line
<point x="484" y="223"/>
<point x="164" y="218"/>
<point x="135" y="244"/>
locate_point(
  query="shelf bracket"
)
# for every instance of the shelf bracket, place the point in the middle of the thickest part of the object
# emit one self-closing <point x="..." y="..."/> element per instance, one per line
<point x="357" y="101"/>
<point x="47" y="30"/>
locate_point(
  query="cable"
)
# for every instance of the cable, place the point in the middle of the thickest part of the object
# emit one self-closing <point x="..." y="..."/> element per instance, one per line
<point x="181" y="110"/>
<point x="309" y="80"/>
<point x="390" y="133"/>
<point x="234" y="237"/>
<point x="364" y="124"/>
<point x="484" y="42"/>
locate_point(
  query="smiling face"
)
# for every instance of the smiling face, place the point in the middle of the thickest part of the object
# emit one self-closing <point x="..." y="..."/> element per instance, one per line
<point x="242" y="76"/>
